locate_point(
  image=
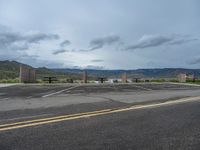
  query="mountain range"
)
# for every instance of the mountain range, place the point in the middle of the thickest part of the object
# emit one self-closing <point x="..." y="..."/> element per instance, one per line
<point x="10" y="70"/>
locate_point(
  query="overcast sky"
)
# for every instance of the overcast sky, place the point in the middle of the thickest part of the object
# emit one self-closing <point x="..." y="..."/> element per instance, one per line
<point x="101" y="34"/>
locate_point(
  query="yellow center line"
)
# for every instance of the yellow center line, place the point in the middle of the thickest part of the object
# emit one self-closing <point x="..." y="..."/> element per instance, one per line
<point x="31" y="123"/>
<point x="51" y="118"/>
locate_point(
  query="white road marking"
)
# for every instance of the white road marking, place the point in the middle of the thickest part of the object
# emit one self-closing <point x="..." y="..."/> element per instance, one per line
<point x="58" y="92"/>
<point x="140" y="87"/>
<point x="29" y="97"/>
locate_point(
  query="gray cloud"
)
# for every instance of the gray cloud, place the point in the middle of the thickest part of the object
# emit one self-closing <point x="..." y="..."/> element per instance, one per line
<point x="145" y="41"/>
<point x="49" y="64"/>
<point x="182" y="40"/>
<point x="65" y="43"/>
<point x="26" y="56"/>
<point x="36" y="62"/>
<point x="18" y="56"/>
<point x="98" y="43"/>
<point x="158" y="40"/>
<point x="97" y="60"/>
<point x="84" y="20"/>
<point x="17" y="41"/>
<point x="37" y="37"/>
<point x="59" y="51"/>
<point x="194" y="61"/>
<point x="4" y="28"/>
<point x="7" y="38"/>
<point x="94" y="67"/>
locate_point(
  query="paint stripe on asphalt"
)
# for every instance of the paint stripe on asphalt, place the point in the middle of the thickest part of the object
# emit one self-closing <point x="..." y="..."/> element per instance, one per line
<point x="51" y="118"/>
<point x="29" y="97"/>
<point x="58" y="92"/>
<point x="44" y="121"/>
<point x="143" y="88"/>
<point x="5" y="98"/>
<point x="25" y="117"/>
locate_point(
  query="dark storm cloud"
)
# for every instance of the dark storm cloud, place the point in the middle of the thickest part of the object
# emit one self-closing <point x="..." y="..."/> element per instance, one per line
<point x="59" y="51"/>
<point x="148" y="41"/>
<point x="97" y="60"/>
<point x="98" y="43"/>
<point x="65" y="43"/>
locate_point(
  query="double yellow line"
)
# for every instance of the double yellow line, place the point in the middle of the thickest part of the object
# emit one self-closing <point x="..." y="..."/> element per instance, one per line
<point x="29" y="123"/>
<point x="36" y="122"/>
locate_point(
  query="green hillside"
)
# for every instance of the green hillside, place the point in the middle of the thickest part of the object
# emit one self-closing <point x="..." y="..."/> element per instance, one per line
<point x="9" y="70"/>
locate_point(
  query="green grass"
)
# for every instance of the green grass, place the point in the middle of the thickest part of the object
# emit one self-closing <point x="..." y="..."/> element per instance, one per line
<point x="9" y="81"/>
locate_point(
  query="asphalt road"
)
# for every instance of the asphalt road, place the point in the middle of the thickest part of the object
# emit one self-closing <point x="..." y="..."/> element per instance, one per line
<point x="174" y="127"/>
<point x="99" y="117"/>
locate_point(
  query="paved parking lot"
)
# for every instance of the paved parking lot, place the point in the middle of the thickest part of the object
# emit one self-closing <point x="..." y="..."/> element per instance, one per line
<point x="37" y="91"/>
<point x="34" y="96"/>
<point x="25" y="91"/>
<point x="99" y="116"/>
<point x="87" y="89"/>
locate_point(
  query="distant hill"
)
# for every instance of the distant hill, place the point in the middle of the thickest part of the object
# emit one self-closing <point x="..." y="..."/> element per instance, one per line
<point x="141" y="73"/>
<point x="10" y="70"/>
